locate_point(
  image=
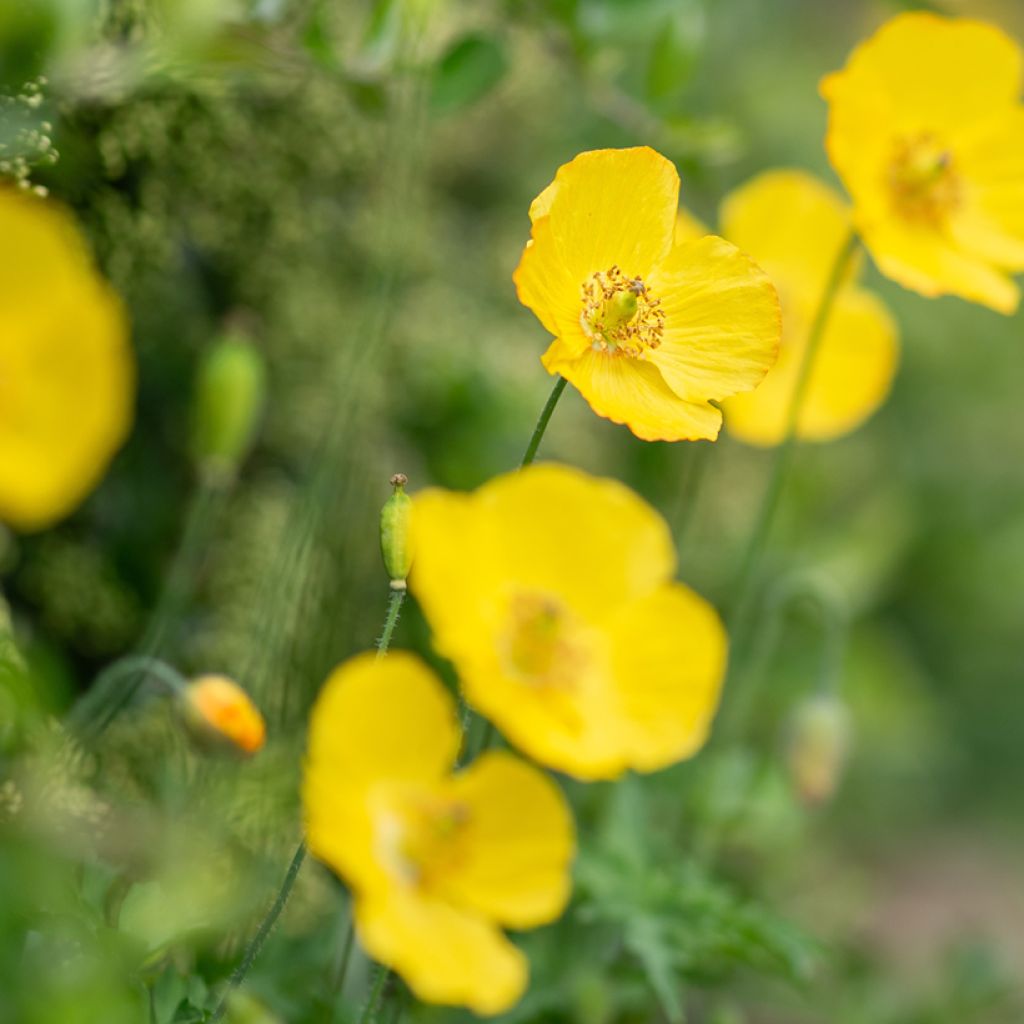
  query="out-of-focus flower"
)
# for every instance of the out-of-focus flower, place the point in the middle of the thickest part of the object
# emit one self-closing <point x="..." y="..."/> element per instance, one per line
<point x="651" y="332"/>
<point x="66" y="370"/>
<point x="396" y="533"/>
<point x="926" y="129"/>
<point x="220" y="714"/>
<point x="817" y="746"/>
<point x="551" y="592"/>
<point x="795" y="227"/>
<point x="438" y="862"/>
<point x="230" y="395"/>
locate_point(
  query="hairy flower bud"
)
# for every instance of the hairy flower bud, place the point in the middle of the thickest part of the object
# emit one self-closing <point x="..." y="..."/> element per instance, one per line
<point x="220" y="716"/>
<point x="395" y="534"/>
<point x="819" y="739"/>
<point x="229" y="398"/>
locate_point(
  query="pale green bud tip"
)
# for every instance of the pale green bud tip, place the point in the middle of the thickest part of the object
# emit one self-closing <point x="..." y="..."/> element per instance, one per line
<point x="395" y="533"/>
<point x="229" y="398"/>
<point x="819" y="741"/>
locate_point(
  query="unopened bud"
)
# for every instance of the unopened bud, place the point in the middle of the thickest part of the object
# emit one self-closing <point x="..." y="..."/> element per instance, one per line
<point x="229" y="398"/>
<point x="220" y="716"/>
<point x="819" y="740"/>
<point x="395" y="533"/>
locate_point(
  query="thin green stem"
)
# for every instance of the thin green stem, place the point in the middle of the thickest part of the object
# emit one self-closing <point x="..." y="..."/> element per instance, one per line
<point x="390" y="621"/>
<point x="379" y="981"/>
<point x="256" y="944"/>
<point x="264" y="930"/>
<point x="542" y="422"/>
<point x="744" y="591"/>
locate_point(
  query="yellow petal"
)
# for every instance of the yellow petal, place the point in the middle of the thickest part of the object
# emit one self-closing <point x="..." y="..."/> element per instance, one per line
<point x="927" y="262"/>
<point x="383" y="719"/>
<point x="931" y="72"/>
<point x="633" y="392"/>
<point x="517" y="843"/>
<point x="990" y="223"/>
<point x="851" y="375"/>
<point x="792" y="224"/>
<point x="722" y="321"/>
<point x="445" y="955"/>
<point x="614" y="207"/>
<point x="545" y="285"/>
<point x="669" y="657"/>
<point x="66" y="371"/>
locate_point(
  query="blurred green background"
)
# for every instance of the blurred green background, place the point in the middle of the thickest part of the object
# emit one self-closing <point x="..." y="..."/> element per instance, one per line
<point x="346" y="184"/>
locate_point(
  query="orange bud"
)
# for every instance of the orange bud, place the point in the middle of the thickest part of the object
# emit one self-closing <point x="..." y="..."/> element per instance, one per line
<point x="220" y="714"/>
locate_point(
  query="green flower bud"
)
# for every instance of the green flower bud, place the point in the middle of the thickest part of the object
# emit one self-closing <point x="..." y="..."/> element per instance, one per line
<point x="229" y="398"/>
<point x="819" y="740"/>
<point x="395" y="534"/>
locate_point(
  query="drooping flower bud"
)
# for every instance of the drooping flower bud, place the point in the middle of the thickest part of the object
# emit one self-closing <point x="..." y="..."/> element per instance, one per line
<point x="819" y="740"/>
<point x="229" y="399"/>
<point x="395" y="533"/>
<point x="220" y="716"/>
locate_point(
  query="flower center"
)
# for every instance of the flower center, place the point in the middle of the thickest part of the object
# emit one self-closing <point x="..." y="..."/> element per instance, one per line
<point x="538" y="644"/>
<point x="923" y="182"/>
<point x="619" y="314"/>
<point x="418" y="834"/>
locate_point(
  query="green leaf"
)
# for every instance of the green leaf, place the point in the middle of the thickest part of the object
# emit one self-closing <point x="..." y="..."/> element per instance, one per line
<point x="673" y="53"/>
<point x="467" y="72"/>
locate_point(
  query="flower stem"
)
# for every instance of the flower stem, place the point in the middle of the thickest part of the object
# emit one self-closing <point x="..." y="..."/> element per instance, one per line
<point x="256" y="944"/>
<point x="542" y="422"/>
<point x="390" y="621"/>
<point x="380" y="980"/>
<point x="739" y="624"/>
<point x="265" y="927"/>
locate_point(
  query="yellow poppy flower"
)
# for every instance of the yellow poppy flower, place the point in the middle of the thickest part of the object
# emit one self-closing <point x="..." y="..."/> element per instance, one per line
<point x="795" y="227"/>
<point x="66" y="373"/>
<point x="551" y="592"/>
<point x="438" y="861"/>
<point x="926" y="129"/>
<point x="649" y="331"/>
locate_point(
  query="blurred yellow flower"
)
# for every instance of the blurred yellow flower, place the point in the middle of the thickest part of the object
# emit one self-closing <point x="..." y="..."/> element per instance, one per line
<point x="438" y="862"/>
<point x="795" y="227"/>
<point x="551" y="592"/>
<point x="649" y="331"/>
<point x="926" y="129"/>
<point x="66" y="372"/>
<point x="220" y="713"/>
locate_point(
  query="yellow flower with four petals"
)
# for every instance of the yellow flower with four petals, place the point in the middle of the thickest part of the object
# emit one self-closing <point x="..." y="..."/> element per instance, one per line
<point x="651" y="330"/>
<point x="552" y="593"/>
<point x="438" y="861"/>
<point x="926" y="130"/>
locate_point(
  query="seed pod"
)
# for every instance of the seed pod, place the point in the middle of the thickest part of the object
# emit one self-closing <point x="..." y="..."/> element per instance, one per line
<point x="229" y="398"/>
<point x="221" y="717"/>
<point x="395" y="533"/>
<point x="819" y="740"/>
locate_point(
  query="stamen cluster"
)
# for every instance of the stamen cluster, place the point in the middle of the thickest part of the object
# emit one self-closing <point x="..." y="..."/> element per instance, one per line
<point x="619" y="313"/>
